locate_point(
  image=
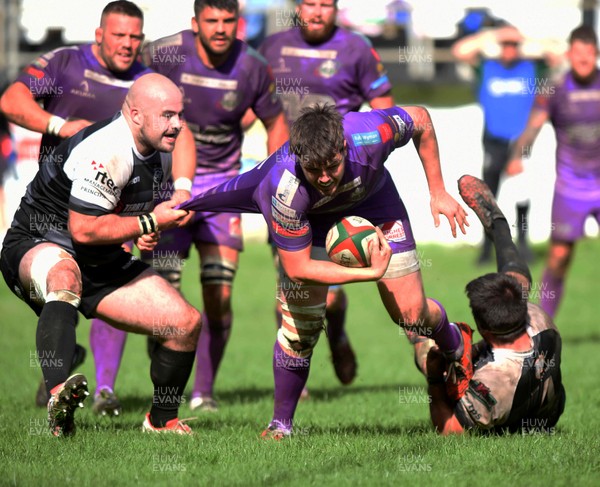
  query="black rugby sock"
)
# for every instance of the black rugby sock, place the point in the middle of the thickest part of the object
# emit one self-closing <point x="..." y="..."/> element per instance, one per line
<point x="522" y="222"/>
<point x="55" y="341"/>
<point x="170" y="371"/>
<point x="507" y="255"/>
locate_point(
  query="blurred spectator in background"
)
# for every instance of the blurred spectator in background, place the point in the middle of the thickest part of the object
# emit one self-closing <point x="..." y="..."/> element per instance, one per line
<point x="572" y="106"/>
<point x="507" y="83"/>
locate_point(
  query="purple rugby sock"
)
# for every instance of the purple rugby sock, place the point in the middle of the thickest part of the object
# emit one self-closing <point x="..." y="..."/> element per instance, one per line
<point x="211" y="347"/>
<point x="290" y="375"/>
<point x="107" y="345"/>
<point x="552" y="289"/>
<point x="446" y="336"/>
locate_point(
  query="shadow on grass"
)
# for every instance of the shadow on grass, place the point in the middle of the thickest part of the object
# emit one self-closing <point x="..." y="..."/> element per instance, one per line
<point x="251" y="395"/>
<point x="583" y="339"/>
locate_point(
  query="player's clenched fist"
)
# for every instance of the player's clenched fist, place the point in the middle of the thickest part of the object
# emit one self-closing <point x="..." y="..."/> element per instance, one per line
<point x="167" y="216"/>
<point x="381" y="253"/>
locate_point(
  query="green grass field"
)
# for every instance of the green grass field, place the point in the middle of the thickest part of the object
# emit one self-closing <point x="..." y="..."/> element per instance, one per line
<point x="374" y="432"/>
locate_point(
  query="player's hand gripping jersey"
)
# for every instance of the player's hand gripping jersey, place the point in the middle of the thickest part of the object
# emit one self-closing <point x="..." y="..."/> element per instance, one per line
<point x="296" y="213"/>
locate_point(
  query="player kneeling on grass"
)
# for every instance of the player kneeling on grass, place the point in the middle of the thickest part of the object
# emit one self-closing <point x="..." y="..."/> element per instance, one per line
<point x="63" y="252"/>
<point x="517" y="383"/>
<point x="334" y="167"/>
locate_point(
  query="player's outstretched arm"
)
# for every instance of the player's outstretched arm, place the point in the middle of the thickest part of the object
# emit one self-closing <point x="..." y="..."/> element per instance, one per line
<point x="184" y="168"/>
<point x="426" y="144"/>
<point x="441" y="408"/>
<point x="300" y="268"/>
<point x="115" y="229"/>
<point x="20" y="107"/>
<point x="523" y="145"/>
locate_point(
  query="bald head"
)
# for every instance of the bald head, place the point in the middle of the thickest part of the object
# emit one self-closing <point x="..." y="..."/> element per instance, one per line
<point x="150" y="89"/>
<point x="153" y="109"/>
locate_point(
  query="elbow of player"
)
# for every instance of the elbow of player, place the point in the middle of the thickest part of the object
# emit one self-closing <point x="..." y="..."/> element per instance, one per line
<point x="81" y="235"/>
<point x="296" y="275"/>
<point x="296" y="278"/>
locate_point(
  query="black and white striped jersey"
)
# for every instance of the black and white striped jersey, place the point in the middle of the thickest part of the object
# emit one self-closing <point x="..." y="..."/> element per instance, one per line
<point x="517" y="390"/>
<point x="96" y="172"/>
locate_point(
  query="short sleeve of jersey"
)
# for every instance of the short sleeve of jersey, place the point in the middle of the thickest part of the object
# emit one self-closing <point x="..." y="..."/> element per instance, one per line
<point x="374" y="135"/>
<point x="42" y="76"/>
<point x="284" y="203"/>
<point x="371" y="74"/>
<point x="266" y="104"/>
<point x="97" y="178"/>
<point x="487" y="400"/>
<point x="545" y="100"/>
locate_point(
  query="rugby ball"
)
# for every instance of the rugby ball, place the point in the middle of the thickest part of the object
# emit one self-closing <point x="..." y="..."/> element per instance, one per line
<point x="347" y="241"/>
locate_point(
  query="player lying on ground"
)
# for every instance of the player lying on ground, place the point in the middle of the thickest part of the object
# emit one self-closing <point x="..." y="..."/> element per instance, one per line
<point x="516" y="385"/>
<point x="63" y="252"/>
<point x="334" y="167"/>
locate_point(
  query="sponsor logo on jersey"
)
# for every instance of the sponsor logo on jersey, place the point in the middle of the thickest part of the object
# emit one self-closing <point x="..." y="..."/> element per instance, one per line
<point x="385" y="131"/>
<point x="281" y="67"/>
<point x="584" y="95"/>
<point x="135" y="180"/>
<point x="235" y="227"/>
<point x="40" y="62"/>
<point x="401" y="127"/>
<point x="133" y="209"/>
<point x="103" y="178"/>
<point x="107" y="80"/>
<point x="157" y="177"/>
<point x="286" y="210"/>
<point x="212" y="134"/>
<point x="379" y="81"/>
<point x="206" y="82"/>
<point x="230" y="100"/>
<point x="84" y="90"/>
<point x="482" y="393"/>
<point x="289" y="230"/>
<point x="510" y="86"/>
<point x="394" y="231"/>
<point x="366" y="138"/>
<point x="287" y="187"/>
<point x="309" y="53"/>
<point x="473" y="412"/>
<point x="101" y="182"/>
<point x="36" y="73"/>
<point x="328" y="68"/>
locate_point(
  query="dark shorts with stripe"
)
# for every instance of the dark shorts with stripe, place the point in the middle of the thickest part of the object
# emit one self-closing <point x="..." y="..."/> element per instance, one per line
<point x="98" y="280"/>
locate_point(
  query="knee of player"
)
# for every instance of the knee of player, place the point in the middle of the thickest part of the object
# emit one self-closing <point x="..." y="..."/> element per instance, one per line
<point x="301" y="327"/>
<point x="55" y="271"/>
<point x="193" y="320"/>
<point x="217" y="271"/>
<point x="189" y="324"/>
<point x="336" y="299"/>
